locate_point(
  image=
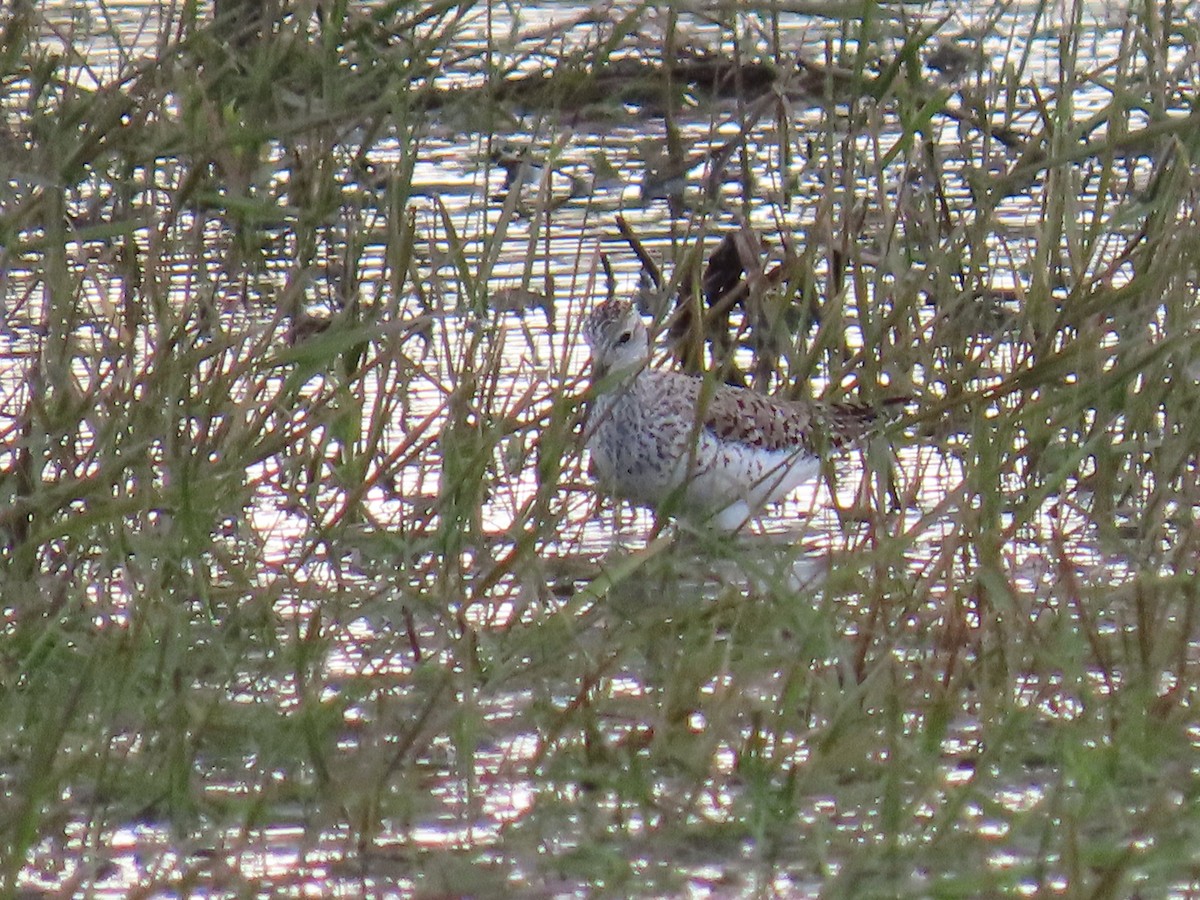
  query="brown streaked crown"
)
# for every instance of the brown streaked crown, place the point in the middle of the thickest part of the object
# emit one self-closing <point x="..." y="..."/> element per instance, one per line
<point x="617" y="336"/>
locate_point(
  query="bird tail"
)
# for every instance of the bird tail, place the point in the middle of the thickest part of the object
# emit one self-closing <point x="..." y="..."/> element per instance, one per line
<point x="847" y="422"/>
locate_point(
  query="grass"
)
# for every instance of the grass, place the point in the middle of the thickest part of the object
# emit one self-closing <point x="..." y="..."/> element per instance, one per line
<point x="303" y="585"/>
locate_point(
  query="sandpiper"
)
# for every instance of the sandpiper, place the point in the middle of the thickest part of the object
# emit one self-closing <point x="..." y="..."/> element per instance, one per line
<point x="676" y="442"/>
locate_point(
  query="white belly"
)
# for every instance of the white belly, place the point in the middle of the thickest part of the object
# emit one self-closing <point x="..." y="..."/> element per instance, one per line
<point x="666" y="465"/>
<point x="734" y="481"/>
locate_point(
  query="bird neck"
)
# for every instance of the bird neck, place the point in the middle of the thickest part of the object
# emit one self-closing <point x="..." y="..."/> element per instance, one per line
<point x="618" y="373"/>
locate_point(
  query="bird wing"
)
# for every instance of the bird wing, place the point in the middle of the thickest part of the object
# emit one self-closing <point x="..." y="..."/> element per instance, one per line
<point x="746" y="417"/>
<point x="743" y="416"/>
<point x="738" y="414"/>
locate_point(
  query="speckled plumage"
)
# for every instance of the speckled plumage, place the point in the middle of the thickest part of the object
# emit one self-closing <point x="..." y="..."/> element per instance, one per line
<point x="710" y="451"/>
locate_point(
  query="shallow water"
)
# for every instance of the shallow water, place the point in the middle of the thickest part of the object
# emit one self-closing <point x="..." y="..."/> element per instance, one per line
<point x="480" y="813"/>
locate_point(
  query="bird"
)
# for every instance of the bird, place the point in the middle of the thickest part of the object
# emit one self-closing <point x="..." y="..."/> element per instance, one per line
<point x="684" y="445"/>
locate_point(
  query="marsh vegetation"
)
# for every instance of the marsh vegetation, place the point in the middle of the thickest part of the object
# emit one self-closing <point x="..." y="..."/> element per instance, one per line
<point x="305" y="588"/>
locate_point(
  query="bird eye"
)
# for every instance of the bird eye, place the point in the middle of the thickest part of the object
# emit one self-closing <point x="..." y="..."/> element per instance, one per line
<point x="624" y="338"/>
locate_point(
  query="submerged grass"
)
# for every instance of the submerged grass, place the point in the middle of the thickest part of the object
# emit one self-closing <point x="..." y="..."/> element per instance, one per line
<point x="299" y="569"/>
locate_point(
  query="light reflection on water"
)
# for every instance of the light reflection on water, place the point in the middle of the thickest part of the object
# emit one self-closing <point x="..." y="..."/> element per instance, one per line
<point x="548" y="363"/>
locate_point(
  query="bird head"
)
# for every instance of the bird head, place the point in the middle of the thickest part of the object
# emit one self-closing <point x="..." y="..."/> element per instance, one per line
<point x="617" y="336"/>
